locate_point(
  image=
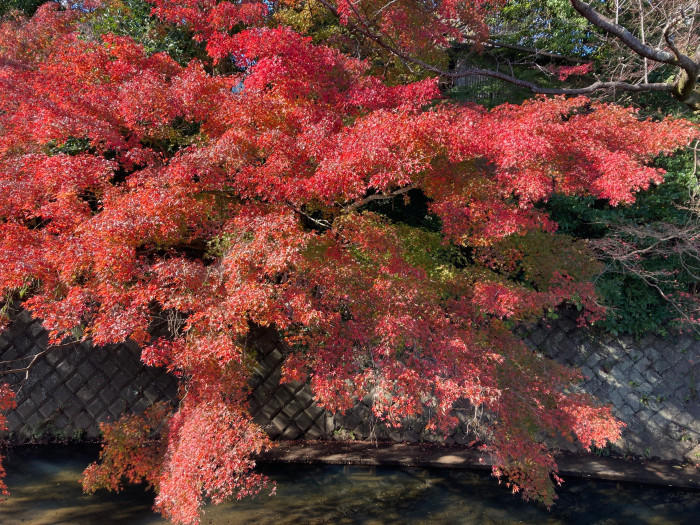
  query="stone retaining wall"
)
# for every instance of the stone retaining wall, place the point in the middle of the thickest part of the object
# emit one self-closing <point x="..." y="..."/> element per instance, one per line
<point x="653" y="385"/>
<point x="71" y="389"/>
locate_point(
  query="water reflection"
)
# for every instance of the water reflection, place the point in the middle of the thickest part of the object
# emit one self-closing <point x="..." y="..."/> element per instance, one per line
<point x="45" y="491"/>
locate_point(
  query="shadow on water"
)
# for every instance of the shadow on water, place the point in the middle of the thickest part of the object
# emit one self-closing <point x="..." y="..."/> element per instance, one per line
<point x="45" y="490"/>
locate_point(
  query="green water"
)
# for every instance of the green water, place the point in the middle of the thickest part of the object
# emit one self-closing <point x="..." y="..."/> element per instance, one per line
<point x="45" y="491"/>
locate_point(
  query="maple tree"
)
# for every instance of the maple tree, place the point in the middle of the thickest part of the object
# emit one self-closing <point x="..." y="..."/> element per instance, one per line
<point x="243" y="191"/>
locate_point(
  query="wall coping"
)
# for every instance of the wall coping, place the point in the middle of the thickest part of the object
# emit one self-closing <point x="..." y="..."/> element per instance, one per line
<point x="665" y="473"/>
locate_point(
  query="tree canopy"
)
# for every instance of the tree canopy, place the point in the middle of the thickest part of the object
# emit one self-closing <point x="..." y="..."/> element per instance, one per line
<point x="183" y="203"/>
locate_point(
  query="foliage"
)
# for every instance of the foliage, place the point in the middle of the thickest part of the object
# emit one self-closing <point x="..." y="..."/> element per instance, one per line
<point x="133" y="18"/>
<point x="136" y="188"/>
<point x="26" y="6"/>
<point x="551" y="25"/>
<point x="132" y="451"/>
<point x="634" y="306"/>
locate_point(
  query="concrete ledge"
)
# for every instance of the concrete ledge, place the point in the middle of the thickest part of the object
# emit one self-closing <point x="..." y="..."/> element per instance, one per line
<point x="434" y="456"/>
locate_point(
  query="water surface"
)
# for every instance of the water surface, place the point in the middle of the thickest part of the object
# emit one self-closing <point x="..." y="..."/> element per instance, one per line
<point x="45" y="490"/>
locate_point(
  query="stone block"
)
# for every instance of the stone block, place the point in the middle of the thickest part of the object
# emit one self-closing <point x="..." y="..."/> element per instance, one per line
<point x="266" y="413"/>
<point x="642" y="365"/>
<point x="140" y="405"/>
<point x="14" y="420"/>
<point x="626" y="413"/>
<point x="47" y="410"/>
<point x="683" y="343"/>
<point x="33" y="422"/>
<point x="23" y="344"/>
<point x="51" y="382"/>
<point x="273" y="359"/>
<point x="108" y="393"/>
<point x="616" y="399"/>
<point x="303" y="421"/>
<point x="64" y="368"/>
<point x="330" y="424"/>
<point x="71" y="410"/>
<point x="120" y="379"/>
<point x="96" y="409"/>
<point x="61" y="422"/>
<point x="85" y="394"/>
<point x="275" y="376"/>
<point x="26" y="409"/>
<point x="652" y="377"/>
<point x="303" y="395"/>
<point x="292" y="408"/>
<point x="653" y="354"/>
<point x="283" y="395"/>
<point x="587" y="373"/>
<point x="151" y="395"/>
<point x="75" y="382"/>
<point x="280" y="423"/>
<point x="314" y="411"/>
<point x="314" y="432"/>
<point x="622" y="369"/>
<point x="592" y="360"/>
<point x="116" y="408"/>
<point x="291" y="432"/>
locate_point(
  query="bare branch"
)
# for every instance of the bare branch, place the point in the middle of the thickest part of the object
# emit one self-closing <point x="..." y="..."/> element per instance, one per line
<point x="641" y="26"/>
<point x="32" y="358"/>
<point x="540" y="90"/>
<point x="668" y="37"/>
<point x="25" y="369"/>
<point x="630" y="246"/>
<point x="683" y="89"/>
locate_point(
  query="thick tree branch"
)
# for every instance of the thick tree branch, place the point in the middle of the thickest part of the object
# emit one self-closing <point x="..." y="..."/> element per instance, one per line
<point x="684" y="88"/>
<point x="609" y="26"/>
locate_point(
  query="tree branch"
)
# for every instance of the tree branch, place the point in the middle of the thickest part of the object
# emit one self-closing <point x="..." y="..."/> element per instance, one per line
<point x="377" y="197"/>
<point x="322" y="223"/>
<point x="668" y="38"/>
<point x="34" y="358"/>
